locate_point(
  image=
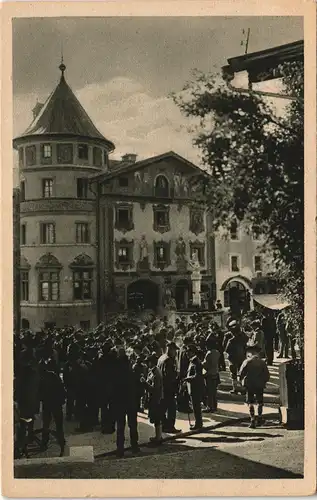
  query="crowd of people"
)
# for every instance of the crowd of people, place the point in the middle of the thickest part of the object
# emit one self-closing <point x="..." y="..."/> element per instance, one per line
<point x="108" y="375"/>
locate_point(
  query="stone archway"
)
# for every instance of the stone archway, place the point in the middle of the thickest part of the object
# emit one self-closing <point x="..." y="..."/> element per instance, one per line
<point x="143" y="294"/>
<point x="237" y="296"/>
<point x="25" y="324"/>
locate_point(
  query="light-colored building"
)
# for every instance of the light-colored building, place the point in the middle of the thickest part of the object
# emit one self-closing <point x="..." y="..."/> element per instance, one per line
<point x="98" y="235"/>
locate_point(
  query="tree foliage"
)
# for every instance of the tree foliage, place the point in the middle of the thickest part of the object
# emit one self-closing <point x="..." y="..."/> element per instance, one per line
<point x="255" y="159"/>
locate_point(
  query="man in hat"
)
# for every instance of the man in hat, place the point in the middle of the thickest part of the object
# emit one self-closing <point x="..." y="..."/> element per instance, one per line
<point x="167" y="365"/>
<point x="235" y="347"/>
<point x="254" y="375"/>
<point x="195" y="385"/>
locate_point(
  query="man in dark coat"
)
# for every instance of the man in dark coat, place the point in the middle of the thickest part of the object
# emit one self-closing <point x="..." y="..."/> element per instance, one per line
<point x="167" y="365"/>
<point x="106" y="367"/>
<point x="195" y="385"/>
<point x="235" y="346"/>
<point x="125" y="406"/>
<point x="52" y="394"/>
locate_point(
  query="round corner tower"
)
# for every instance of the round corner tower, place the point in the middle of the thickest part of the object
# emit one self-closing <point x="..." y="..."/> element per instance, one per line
<point x="58" y="153"/>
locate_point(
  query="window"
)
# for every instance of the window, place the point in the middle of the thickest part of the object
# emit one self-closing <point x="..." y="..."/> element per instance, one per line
<point x="82" y="232"/>
<point x="82" y="280"/>
<point x="257" y="263"/>
<point x="105" y="158"/>
<point x="123" y="181"/>
<point x="161" y="186"/>
<point x="30" y="155"/>
<point x="47" y="233"/>
<point x="123" y="254"/>
<point x="21" y="157"/>
<point x="161" y="219"/>
<point x="24" y="285"/>
<point x="84" y="325"/>
<point x="234" y="263"/>
<point x="22" y="190"/>
<point x="97" y="157"/>
<point x="161" y="254"/>
<point x="47" y="188"/>
<point x="49" y="285"/>
<point x="65" y="153"/>
<point x="83" y="151"/>
<point x="23" y="234"/>
<point x="234" y="230"/>
<point x="124" y="218"/>
<point x="46" y="152"/>
<point x="82" y="187"/>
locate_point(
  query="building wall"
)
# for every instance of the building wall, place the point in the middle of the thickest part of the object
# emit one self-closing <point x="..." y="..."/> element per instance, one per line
<point x="64" y="209"/>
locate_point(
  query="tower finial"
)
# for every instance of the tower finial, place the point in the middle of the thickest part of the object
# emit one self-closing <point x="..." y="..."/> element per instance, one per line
<point x="62" y="66"/>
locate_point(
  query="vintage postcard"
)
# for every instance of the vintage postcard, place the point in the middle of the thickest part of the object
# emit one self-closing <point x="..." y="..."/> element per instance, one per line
<point x="158" y="167"/>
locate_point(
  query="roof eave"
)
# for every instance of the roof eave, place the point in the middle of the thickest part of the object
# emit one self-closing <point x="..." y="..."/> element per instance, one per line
<point x="52" y="136"/>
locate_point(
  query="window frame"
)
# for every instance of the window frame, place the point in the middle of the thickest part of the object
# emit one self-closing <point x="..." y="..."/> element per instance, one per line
<point x="237" y="231"/>
<point x="50" y="187"/>
<point x="162" y="192"/>
<point x="24" y="285"/>
<point x="200" y="247"/>
<point x="261" y="263"/>
<point x="123" y="178"/>
<point x="129" y="225"/>
<point x="129" y="263"/>
<point x="159" y="227"/>
<point x="238" y="256"/>
<point x="29" y="148"/>
<point x="42" y="232"/>
<point x="82" y="280"/>
<point x="161" y="264"/>
<point x="50" y="282"/>
<point x="21" y="156"/>
<point x="60" y="158"/>
<point x="46" y="159"/>
<point x="23" y="234"/>
<point x="22" y="191"/>
<point x="96" y="150"/>
<point x="81" y="146"/>
<point x="79" y="225"/>
<point x="82" y="187"/>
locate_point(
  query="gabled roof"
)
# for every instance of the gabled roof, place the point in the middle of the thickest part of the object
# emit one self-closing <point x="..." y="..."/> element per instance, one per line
<point x="63" y="114"/>
<point x="131" y="167"/>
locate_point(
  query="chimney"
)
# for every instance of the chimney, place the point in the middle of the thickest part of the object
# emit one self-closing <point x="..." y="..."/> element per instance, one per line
<point x="36" y="110"/>
<point x="129" y="158"/>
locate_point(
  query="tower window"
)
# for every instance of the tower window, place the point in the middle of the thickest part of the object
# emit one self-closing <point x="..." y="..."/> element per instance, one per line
<point x="83" y="151"/>
<point x="97" y="157"/>
<point x="22" y="190"/>
<point x="65" y="153"/>
<point x="49" y="285"/>
<point x="30" y="153"/>
<point x="82" y="187"/>
<point x="46" y="151"/>
<point x="23" y="234"/>
<point x="24" y="285"/>
<point x="47" y="188"/>
<point x="47" y="233"/>
<point x="82" y="280"/>
<point x="21" y="157"/>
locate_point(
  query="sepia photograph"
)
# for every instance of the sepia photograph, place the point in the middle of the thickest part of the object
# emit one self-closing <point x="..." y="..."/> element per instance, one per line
<point x="158" y="247"/>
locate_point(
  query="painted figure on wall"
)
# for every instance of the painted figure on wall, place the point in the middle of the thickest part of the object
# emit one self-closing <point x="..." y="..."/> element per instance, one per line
<point x="144" y="253"/>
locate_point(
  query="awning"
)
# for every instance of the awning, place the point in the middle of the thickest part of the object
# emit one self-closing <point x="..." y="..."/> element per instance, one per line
<point x="271" y="301"/>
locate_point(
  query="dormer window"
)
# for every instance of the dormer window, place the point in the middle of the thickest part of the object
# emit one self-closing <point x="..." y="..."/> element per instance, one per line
<point x="82" y="151"/>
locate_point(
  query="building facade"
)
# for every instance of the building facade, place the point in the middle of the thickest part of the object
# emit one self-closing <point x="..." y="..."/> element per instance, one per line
<point x="99" y="236"/>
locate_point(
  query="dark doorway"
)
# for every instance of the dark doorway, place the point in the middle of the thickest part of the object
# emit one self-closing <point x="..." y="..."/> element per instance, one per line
<point x="142" y="295"/>
<point x="237" y="297"/>
<point x="182" y="294"/>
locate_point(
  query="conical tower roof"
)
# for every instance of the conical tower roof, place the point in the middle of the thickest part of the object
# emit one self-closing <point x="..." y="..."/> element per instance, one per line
<point x="62" y="114"/>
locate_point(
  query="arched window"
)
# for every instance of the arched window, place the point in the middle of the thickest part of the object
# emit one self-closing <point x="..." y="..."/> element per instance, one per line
<point x="82" y="267"/>
<point x="24" y="278"/>
<point x="49" y="269"/>
<point x="161" y="186"/>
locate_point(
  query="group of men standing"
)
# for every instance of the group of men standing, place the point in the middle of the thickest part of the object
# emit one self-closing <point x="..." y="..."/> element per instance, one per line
<point x="108" y="375"/>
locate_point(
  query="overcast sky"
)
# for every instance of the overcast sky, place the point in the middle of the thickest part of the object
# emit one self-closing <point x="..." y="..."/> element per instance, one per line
<point x="122" y="69"/>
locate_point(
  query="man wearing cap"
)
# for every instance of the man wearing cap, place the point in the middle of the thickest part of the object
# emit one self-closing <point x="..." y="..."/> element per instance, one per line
<point x="235" y="347"/>
<point x="254" y="375"/>
<point x="167" y="365"/>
